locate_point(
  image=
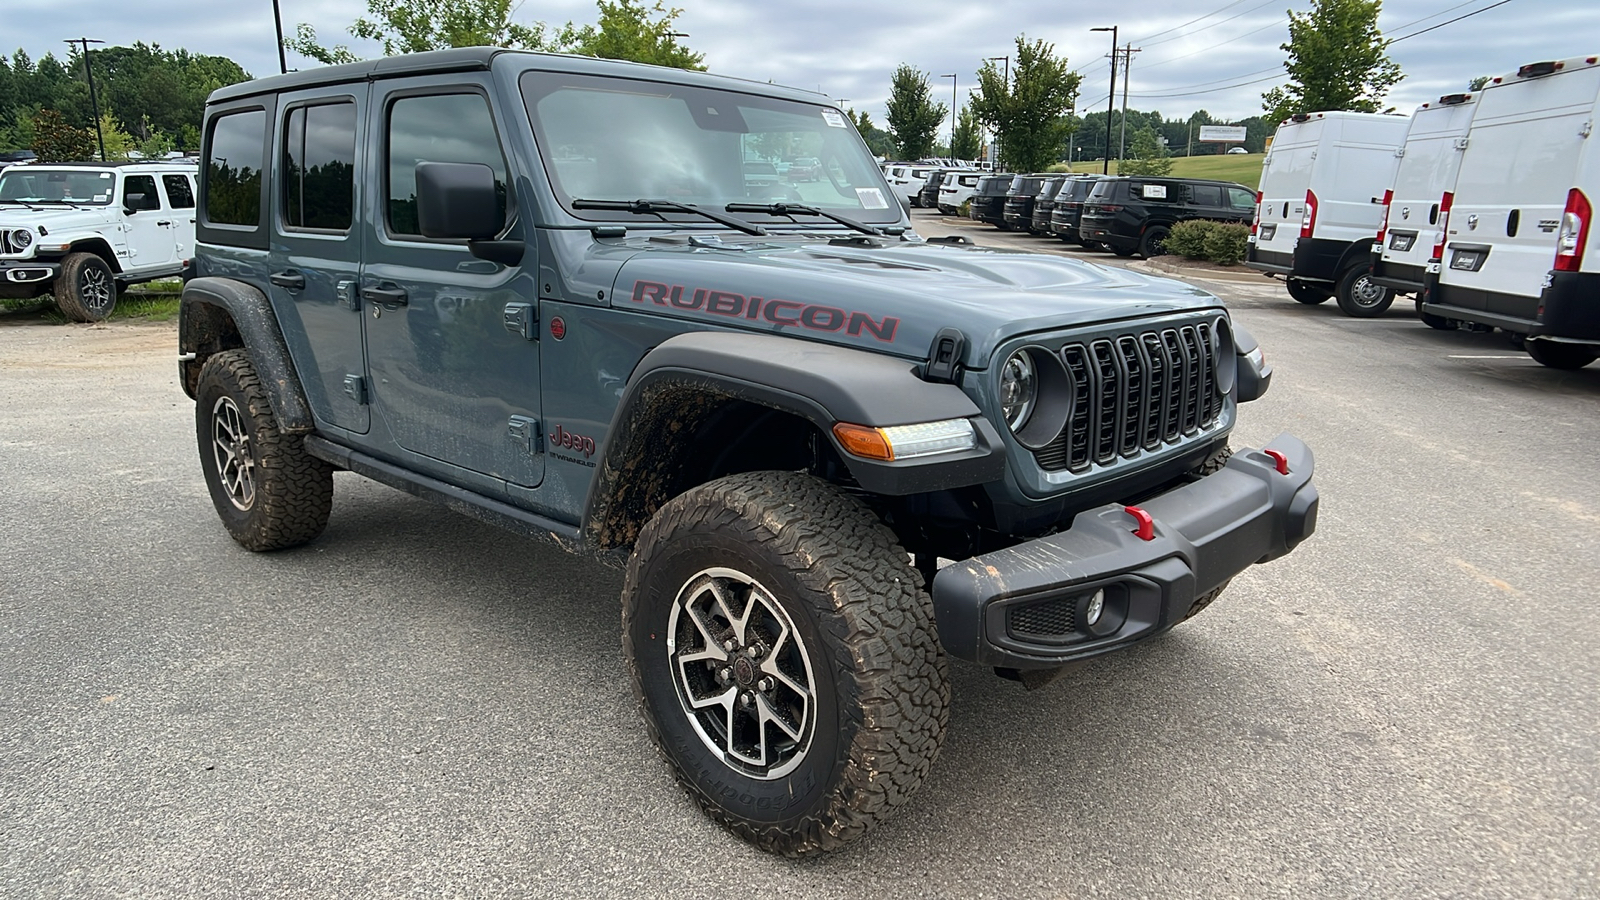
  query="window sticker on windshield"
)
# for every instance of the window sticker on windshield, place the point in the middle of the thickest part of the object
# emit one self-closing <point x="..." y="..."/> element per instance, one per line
<point x="832" y="117"/>
<point x="105" y="175"/>
<point x="1155" y="192"/>
<point x="102" y="198"/>
<point x="871" y="198"/>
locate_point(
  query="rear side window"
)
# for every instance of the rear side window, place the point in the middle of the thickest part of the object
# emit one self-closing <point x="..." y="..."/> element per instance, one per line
<point x="233" y="168"/>
<point x="1240" y="198"/>
<point x="139" y="192"/>
<point x="439" y="128"/>
<point x="180" y="193"/>
<point x="319" y="153"/>
<point x="1205" y="194"/>
<point x="1103" y="190"/>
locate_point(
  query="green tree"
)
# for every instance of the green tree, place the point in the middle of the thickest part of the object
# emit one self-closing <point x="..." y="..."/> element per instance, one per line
<point x="1337" y="61"/>
<point x="630" y="30"/>
<point x="119" y="143"/>
<point x="1030" y="117"/>
<point x="913" y="116"/>
<point x="1477" y="84"/>
<point x="1150" y="156"/>
<point x="880" y="142"/>
<point x="965" y="143"/>
<point x="56" y="141"/>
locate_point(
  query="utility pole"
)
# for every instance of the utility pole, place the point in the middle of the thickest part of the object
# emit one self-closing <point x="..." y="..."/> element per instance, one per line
<point x="94" y="103"/>
<point x="1111" y="103"/>
<point x="277" y="19"/>
<point x="1127" y="63"/>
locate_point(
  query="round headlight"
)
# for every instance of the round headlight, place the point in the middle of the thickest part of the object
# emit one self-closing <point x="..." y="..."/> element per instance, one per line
<point x="22" y="238"/>
<point x="1018" y="389"/>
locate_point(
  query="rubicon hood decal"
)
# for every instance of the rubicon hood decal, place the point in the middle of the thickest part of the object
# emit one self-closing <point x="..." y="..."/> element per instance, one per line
<point x="810" y="316"/>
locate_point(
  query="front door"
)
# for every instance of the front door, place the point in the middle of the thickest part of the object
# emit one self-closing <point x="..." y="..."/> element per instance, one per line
<point x="147" y="226"/>
<point x="451" y="380"/>
<point x="315" y="256"/>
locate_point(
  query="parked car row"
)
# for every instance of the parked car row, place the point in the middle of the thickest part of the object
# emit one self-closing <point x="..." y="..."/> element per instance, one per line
<point x="1479" y="205"/>
<point x="1125" y="214"/>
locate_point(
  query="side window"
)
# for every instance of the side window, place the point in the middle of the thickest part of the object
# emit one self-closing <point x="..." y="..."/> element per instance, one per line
<point x="1205" y="194"/>
<point x="1241" y="198"/>
<point x="319" y="154"/>
<point x="139" y="192"/>
<point x="233" y="168"/>
<point x="439" y="128"/>
<point x="180" y="193"/>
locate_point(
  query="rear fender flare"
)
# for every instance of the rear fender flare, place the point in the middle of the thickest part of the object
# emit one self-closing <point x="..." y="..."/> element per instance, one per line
<point x="219" y="314"/>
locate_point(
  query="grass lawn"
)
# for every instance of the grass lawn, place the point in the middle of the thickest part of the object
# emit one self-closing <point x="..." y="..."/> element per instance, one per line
<point x="1243" y="168"/>
<point x="156" y="301"/>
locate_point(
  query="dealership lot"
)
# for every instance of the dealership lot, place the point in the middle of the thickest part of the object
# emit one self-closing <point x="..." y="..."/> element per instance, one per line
<point x="1406" y="706"/>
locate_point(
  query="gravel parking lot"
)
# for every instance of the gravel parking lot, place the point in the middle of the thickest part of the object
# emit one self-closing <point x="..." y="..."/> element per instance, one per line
<point x="419" y="705"/>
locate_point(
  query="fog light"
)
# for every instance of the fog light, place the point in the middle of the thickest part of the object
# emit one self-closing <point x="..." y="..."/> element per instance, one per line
<point x="1097" y="605"/>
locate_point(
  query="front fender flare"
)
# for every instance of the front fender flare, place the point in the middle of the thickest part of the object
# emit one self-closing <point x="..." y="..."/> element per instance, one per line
<point x="220" y="313"/>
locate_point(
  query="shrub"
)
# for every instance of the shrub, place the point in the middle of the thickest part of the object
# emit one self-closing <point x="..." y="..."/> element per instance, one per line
<point x="1188" y="239"/>
<point x="966" y="209"/>
<point x="1226" y="242"/>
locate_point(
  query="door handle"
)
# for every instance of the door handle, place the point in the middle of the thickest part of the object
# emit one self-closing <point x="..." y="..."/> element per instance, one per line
<point x="289" y="280"/>
<point x="164" y="223"/>
<point x="387" y="294"/>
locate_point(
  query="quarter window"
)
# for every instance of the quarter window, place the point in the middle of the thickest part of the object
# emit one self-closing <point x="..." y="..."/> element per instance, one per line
<point x="1205" y="194"/>
<point x="233" y="168"/>
<point x="1241" y="198"/>
<point x="180" y="193"/>
<point x="442" y="128"/>
<point x="319" y="153"/>
<point x="139" y="192"/>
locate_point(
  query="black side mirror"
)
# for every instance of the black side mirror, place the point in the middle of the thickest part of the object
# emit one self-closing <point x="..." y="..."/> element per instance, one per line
<point x="132" y="203"/>
<point x="458" y="200"/>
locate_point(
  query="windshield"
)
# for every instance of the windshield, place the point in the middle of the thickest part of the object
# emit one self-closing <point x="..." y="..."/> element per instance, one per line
<point x="621" y="139"/>
<point x="33" y="184"/>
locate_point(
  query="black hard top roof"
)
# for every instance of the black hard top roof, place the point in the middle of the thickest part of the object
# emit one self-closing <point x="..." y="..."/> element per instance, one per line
<point x="468" y="59"/>
<point x="114" y="164"/>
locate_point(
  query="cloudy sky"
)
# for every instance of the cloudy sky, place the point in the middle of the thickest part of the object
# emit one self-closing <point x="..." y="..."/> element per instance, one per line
<point x="1217" y="55"/>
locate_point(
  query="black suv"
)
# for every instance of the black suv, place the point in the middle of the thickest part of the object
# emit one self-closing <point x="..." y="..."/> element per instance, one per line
<point x="1067" y="207"/>
<point x="989" y="200"/>
<point x="1045" y="203"/>
<point x="467" y="275"/>
<point x="1017" y="214"/>
<point x="928" y="194"/>
<point x="1133" y="214"/>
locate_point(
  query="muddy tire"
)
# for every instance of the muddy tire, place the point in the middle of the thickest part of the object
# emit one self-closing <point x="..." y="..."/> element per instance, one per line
<point x="269" y="492"/>
<point x="784" y="657"/>
<point x="85" y="288"/>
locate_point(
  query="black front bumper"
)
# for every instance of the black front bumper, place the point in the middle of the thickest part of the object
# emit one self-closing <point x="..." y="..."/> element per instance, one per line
<point x="27" y="271"/>
<point x="1025" y="607"/>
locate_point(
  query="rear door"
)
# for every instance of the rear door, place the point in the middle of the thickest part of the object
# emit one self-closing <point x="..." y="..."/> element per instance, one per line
<point x="179" y="187"/>
<point x="314" y="259"/>
<point x="1285" y="176"/>
<point x="146" y="225"/>
<point x="454" y="384"/>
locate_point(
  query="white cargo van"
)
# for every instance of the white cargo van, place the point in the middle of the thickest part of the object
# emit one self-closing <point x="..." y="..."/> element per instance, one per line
<point x="1415" y="210"/>
<point x="1320" y="206"/>
<point x="1516" y="243"/>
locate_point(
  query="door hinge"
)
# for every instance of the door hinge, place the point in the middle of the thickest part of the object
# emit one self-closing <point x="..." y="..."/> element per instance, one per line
<point x="1461" y="143"/>
<point x="1587" y="129"/>
<point x="520" y="318"/>
<point x="346" y="291"/>
<point x="355" y="387"/>
<point x="527" y="434"/>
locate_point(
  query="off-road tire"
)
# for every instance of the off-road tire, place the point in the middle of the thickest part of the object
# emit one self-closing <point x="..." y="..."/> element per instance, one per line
<point x="1560" y="356"/>
<point x="1153" y="243"/>
<point x="1307" y="294"/>
<point x="290" y="491"/>
<point x="85" y="289"/>
<point x="880" y="687"/>
<point x="1360" y="297"/>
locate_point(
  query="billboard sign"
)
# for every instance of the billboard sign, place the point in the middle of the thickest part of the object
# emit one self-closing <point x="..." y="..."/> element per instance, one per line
<point x="1231" y="134"/>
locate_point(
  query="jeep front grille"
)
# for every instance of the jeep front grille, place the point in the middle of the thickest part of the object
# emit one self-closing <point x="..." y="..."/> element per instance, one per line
<point x="8" y="245"/>
<point x="1134" y="394"/>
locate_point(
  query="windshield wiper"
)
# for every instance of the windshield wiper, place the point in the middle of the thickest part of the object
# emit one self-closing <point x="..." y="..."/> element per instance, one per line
<point x="791" y="209"/>
<point x="645" y="207"/>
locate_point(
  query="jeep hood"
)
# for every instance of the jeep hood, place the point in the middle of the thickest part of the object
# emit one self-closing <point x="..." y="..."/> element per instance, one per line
<point x="884" y="294"/>
<point x="51" y="217"/>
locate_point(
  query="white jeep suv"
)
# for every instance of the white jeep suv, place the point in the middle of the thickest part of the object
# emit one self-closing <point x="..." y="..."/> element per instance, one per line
<point x="85" y="231"/>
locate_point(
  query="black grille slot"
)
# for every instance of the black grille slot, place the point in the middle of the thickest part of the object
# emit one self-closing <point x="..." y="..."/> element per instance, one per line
<point x="6" y="244"/>
<point x="1135" y="393"/>
<point x="1047" y="618"/>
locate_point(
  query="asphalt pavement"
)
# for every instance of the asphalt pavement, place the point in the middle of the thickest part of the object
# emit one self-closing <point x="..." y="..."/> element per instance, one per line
<point x="419" y="705"/>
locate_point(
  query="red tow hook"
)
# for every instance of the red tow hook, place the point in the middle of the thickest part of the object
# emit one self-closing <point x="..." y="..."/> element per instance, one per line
<point x="1281" y="460"/>
<point x="1147" y="526"/>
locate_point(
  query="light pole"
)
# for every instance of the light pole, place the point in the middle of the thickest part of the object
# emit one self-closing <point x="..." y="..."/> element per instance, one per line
<point x="952" y="147"/>
<point x="94" y="103"/>
<point x="1111" y="103"/>
<point x="277" y="20"/>
<point x="994" y="164"/>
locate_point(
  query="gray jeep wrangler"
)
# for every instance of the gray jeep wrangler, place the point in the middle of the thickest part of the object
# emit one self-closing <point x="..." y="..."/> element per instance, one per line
<point x="546" y="292"/>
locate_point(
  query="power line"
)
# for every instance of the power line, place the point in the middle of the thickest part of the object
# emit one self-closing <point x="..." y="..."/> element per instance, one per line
<point x="1192" y="21"/>
<point x="1226" y="87"/>
<point x="1214" y="24"/>
<point x="1221" y="43"/>
<point x="1220" y="80"/>
<point x="1446" y="22"/>
<point x="1434" y="14"/>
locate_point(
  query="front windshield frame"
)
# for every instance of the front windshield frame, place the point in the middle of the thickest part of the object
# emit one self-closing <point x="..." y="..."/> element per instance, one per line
<point x="73" y="182"/>
<point x="844" y="162"/>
